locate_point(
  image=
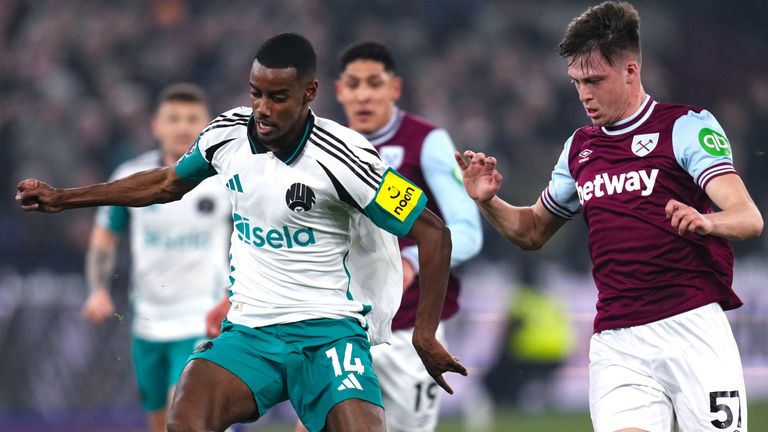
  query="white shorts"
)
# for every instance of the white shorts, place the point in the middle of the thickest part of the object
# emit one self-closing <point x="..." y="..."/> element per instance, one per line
<point x="682" y="370"/>
<point x="411" y="396"/>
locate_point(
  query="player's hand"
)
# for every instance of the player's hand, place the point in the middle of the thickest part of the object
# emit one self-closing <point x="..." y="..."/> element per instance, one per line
<point x="34" y="195"/>
<point x="409" y="274"/>
<point x="686" y="219"/>
<point x="215" y="316"/>
<point x="98" y="306"/>
<point x="481" y="180"/>
<point x="437" y="360"/>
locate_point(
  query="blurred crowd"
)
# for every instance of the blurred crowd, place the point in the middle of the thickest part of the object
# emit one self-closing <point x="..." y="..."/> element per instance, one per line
<point x="78" y="80"/>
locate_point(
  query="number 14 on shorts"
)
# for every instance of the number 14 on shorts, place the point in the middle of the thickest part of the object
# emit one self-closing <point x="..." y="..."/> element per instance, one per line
<point x="350" y="365"/>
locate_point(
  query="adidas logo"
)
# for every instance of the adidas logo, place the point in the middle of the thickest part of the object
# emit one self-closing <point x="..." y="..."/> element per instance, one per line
<point x="350" y="382"/>
<point x="234" y="184"/>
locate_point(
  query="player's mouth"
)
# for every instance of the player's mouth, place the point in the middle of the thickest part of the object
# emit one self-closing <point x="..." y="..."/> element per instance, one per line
<point x="264" y="127"/>
<point x="364" y="115"/>
<point x="591" y="112"/>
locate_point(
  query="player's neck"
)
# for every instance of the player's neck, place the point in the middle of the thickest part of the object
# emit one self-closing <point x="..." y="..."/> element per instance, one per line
<point x="634" y="104"/>
<point x="290" y="139"/>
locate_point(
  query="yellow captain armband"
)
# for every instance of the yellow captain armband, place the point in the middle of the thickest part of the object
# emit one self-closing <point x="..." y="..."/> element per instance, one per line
<point x="397" y="204"/>
<point x="398" y="196"/>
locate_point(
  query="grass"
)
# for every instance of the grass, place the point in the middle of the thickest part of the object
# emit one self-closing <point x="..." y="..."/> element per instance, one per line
<point x="514" y="421"/>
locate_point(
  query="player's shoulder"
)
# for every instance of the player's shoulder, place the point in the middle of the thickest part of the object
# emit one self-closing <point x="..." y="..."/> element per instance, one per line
<point x="148" y="160"/>
<point x="229" y="124"/>
<point x="418" y="122"/>
<point x="329" y="135"/>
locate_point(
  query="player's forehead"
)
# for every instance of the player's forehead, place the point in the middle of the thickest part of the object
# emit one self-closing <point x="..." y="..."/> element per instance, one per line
<point x="181" y="107"/>
<point x="588" y="65"/>
<point x="265" y="78"/>
<point x="364" y="68"/>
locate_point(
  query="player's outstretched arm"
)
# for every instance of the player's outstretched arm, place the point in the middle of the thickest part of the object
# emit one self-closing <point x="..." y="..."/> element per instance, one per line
<point x="434" y="242"/>
<point x="154" y="186"/>
<point x="738" y="218"/>
<point x="527" y="227"/>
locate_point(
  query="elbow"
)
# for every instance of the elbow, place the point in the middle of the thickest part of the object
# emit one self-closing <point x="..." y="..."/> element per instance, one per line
<point x="531" y="243"/>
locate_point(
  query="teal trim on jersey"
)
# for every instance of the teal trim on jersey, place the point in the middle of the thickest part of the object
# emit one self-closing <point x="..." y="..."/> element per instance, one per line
<point x="349" y="277"/>
<point x="366" y="307"/>
<point x="303" y="141"/>
<point x="385" y="220"/>
<point x="117" y="219"/>
<point x="193" y="167"/>
<point x="256" y="148"/>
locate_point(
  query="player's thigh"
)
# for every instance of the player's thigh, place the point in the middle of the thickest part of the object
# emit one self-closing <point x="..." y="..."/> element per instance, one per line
<point x="622" y="393"/>
<point x="151" y="367"/>
<point x="178" y="356"/>
<point x="355" y="415"/>
<point x="330" y="363"/>
<point x="703" y="367"/>
<point x="411" y="397"/>
<point x="209" y="397"/>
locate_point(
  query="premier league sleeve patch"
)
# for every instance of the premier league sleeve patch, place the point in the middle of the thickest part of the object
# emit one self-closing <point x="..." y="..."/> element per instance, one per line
<point x="397" y="203"/>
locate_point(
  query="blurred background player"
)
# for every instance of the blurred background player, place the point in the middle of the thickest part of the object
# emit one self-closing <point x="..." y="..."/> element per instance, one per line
<point x="662" y="355"/>
<point x="368" y="89"/>
<point x="178" y="256"/>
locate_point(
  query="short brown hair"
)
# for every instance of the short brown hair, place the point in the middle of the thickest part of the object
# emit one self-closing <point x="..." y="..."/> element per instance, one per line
<point x="612" y="28"/>
<point x="182" y="92"/>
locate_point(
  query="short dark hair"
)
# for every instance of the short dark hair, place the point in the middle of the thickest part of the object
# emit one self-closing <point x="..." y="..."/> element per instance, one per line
<point x="612" y="28"/>
<point x="289" y="50"/>
<point x="367" y="50"/>
<point x="182" y="92"/>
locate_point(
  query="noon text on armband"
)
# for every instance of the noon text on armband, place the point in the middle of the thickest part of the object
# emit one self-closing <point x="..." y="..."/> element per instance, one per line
<point x="605" y="185"/>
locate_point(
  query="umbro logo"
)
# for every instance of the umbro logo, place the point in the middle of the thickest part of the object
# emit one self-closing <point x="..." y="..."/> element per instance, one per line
<point x="234" y="184"/>
<point x="584" y="155"/>
<point x="349" y="383"/>
<point x="299" y="197"/>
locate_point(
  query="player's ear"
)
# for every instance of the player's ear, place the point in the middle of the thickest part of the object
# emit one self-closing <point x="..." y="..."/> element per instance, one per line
<point x="310" y="92"/>
<point x="397" y="87"/>
<point x="632" y="70"/>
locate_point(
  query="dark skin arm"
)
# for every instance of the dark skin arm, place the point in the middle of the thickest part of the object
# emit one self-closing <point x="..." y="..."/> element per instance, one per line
<point x="155" y="186"/>
<point x="434" y="242"/>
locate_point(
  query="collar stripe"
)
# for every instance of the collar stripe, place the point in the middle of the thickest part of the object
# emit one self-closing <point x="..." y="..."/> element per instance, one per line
<point x="634" y="121"/>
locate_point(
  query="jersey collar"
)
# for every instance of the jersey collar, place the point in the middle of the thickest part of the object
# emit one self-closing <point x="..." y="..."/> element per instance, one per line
<point x="287" y="156"/>
<point x="634" y="121"/>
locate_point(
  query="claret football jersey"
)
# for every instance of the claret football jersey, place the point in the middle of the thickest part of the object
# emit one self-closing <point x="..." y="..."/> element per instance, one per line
<point x="293" y="214"/>
<point x="621" y="177"/>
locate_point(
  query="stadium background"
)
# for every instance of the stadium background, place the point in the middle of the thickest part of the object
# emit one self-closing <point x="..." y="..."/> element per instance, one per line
<point x="77" y="82"/>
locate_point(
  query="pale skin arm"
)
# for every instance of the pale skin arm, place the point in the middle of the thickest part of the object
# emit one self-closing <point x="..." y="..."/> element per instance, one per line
<point x="156" y="186"/>
<point x="434" y="242"/>
<point x="527" y="227"/>
<point x="738" y="218"/>
<point x="99" y="268"/>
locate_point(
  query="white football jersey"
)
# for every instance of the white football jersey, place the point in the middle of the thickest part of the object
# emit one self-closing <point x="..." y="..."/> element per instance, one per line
<point x="297" y="219"/>
<point x="179" y="255"/>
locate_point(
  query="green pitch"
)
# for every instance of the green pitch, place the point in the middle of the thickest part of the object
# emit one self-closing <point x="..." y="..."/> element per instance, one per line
<point x="512" y="421"/>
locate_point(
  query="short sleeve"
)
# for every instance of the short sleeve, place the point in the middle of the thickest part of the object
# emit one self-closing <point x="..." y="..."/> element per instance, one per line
<point x="701" y="147"/>
<point x="113" y="218"/>
<point x="560" y="196"/>
<point x="193" y="166"/>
